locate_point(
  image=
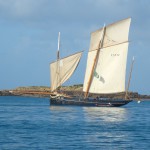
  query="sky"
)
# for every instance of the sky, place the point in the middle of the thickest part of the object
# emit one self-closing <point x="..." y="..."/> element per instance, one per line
<point x="29" y="32"/>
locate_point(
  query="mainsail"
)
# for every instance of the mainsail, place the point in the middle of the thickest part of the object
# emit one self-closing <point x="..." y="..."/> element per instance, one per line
<point x="108" y="75"/>
<point x="62" y="69"/>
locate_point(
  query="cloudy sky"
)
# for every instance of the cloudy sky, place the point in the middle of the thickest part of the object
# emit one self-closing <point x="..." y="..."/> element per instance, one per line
<point x="29" y="31"/>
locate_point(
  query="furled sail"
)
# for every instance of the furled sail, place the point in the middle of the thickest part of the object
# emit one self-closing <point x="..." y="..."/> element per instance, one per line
<point x="62" y="69"/>
<point x="110" y="69"/>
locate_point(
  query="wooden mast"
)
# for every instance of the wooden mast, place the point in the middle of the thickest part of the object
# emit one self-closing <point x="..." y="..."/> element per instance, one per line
<point x="58" y="59"/>
<point x="126" y="95"/>
<point x="58" y="56"/>
<point x="95" y="62"/>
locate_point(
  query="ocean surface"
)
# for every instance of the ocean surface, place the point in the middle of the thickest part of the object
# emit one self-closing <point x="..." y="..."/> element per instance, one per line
<point x="32" y="124"/>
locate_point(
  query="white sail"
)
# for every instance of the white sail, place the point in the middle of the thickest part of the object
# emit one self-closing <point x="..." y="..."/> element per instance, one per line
<point x="62" y="69"/>
<point x="110" y="70"/>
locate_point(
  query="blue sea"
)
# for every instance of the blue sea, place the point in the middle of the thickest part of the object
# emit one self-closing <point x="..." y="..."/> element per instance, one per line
<point x="32" y="124"/>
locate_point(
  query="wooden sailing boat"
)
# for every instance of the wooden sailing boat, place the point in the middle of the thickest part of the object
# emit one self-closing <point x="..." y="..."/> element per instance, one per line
<point x="106" y="67"/>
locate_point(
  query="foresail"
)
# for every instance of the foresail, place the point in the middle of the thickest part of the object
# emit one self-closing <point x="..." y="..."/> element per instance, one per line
<point x="110" y="69"/>
<point x="62" y="69"/>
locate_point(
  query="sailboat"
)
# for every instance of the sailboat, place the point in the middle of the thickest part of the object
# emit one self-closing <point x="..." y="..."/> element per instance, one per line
<point x="105" y="70"/>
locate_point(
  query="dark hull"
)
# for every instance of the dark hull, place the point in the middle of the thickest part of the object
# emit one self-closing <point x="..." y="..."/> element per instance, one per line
<point x="89" y="102"/>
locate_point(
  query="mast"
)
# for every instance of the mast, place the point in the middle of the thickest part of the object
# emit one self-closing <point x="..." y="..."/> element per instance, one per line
<point x="126" y="95"/>
<point x="58" y="55"/>
<point x="58" y="61"/>
<point x="95" y="62"/>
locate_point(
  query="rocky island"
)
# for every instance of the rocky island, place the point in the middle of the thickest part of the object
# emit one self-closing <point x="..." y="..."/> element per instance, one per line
<point x="43" y="91"/>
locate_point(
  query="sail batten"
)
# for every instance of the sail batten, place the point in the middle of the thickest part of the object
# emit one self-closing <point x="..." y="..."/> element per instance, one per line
<point x="62" y="69"/>
<point x="110" y="70"/>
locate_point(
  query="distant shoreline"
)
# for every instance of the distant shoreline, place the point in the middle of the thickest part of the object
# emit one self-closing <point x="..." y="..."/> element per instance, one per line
<point x="43" y="91"/>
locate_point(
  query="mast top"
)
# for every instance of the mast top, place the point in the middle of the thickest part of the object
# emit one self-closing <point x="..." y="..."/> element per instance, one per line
<point x="58" y="41"/>
<point x="58" y="54"/>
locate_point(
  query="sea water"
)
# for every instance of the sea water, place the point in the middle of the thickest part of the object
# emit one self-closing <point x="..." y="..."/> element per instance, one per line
<point x="32" y="124"/>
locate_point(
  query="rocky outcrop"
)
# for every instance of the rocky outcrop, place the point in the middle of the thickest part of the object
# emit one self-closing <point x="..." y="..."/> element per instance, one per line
<point x="76" y="90"/>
